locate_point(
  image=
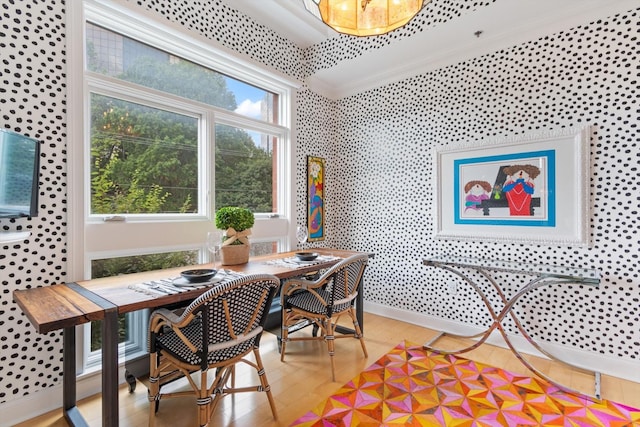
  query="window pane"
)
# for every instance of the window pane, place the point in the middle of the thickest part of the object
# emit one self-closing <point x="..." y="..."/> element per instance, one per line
<point x="263" y="248"/>
<point x="133" y="264"/>
<point x="143" y="159"/>
<point x="254" y="102"/>
<point x="245" y="169"/>
<point x="118" y="56"/>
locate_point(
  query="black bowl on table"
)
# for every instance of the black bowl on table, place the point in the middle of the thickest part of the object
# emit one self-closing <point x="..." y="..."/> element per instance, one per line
<point x="306" y="256"/>
<point x="198" y="275"/>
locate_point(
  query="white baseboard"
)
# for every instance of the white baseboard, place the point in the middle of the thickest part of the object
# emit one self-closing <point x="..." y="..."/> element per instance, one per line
<point x="22" y="409"/>
<point x="609" y="365"/>
<point x="49" y="399"/>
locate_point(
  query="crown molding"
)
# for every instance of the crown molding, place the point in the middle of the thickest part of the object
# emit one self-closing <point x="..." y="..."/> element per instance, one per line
<point x="511" y="24"/>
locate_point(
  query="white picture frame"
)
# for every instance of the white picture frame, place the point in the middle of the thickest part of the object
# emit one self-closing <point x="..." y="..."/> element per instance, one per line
<point x="538" y="189"/>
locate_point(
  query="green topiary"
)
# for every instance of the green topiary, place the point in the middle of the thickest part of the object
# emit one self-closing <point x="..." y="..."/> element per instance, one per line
<point x="239" y="219"/>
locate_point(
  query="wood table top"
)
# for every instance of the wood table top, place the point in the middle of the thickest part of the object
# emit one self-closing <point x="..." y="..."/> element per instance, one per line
<point x="115" y="289"/>
<point x="54" y="307"/>
<point x="58" y="306"/>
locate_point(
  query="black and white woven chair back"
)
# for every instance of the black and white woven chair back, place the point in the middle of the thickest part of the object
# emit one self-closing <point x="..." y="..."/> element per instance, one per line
<point x="239" y="316"/>
<point x="322" y="303"/>
<point x="236" y="317"/>
<point x="344" y="282"/>
<point x="231" y="319"/>
<point x="217" y="330"/>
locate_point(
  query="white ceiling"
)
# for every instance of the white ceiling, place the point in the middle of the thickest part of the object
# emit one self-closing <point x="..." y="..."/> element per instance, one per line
<point x="504" y="23"/>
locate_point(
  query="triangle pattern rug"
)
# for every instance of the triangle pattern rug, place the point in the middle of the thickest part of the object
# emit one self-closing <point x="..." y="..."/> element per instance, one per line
<point x="410" y="386"/>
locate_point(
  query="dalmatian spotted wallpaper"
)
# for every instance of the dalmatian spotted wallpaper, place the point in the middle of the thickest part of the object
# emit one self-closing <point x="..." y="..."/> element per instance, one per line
<point x="377" y="145"/>
<point x="32" y="102"/>
<point x="332" y="51"/>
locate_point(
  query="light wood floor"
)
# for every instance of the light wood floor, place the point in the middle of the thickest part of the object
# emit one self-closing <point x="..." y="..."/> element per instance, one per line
<point x="304" y="380"/>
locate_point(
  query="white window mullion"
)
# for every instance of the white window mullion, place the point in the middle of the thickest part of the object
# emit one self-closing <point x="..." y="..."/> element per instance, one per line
<point x="141" y="234"/>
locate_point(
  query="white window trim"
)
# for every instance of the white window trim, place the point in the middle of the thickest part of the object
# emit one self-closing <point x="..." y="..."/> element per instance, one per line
<point x="144" y="27"/>
<point x="139" y="324"/>
<point x="136" y="94"/>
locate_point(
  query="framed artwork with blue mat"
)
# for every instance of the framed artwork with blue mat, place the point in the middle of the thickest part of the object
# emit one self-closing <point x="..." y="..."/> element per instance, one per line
<point x="528" y="189"/>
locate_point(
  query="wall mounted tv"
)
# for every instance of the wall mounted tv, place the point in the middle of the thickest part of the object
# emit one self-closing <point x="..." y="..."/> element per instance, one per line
<point x="19" y="174"/>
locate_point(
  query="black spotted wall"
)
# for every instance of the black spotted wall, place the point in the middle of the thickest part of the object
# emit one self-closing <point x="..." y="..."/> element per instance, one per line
<point x="378" y="148"/>
<point x="381" y="197"/>
<point x="32" y="101"/>
<point x="343" y="47"/>
<point x="232" y="29"/>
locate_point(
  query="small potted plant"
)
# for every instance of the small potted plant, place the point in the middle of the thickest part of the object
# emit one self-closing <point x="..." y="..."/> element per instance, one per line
<point x="236" y="223"/>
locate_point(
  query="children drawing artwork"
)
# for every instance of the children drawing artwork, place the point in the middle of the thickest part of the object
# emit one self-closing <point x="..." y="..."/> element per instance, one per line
<point x="509" y="190"/>
<point x="476" y="191"/>
<point x="519" y="188"/>
<point x="512" y="195"/>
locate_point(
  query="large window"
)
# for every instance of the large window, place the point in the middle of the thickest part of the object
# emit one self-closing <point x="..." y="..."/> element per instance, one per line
<point x="145" y="148"/>
<point x="143" y="159"/>
<point x="173" y="130"/>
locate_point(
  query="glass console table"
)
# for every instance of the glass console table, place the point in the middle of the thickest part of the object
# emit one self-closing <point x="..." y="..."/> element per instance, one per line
<point x="541" y="275"/>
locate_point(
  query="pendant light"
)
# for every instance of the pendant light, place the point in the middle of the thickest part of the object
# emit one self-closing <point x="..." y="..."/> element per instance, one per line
<point x="364" y="17"/>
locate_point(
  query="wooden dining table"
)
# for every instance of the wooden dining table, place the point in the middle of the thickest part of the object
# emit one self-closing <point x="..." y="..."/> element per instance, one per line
<point x="65" y="306"/>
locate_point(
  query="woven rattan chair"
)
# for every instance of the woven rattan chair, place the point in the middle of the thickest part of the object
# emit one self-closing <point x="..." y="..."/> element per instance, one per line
<point x="216" y="331"/>
<point x="322" y="302"/>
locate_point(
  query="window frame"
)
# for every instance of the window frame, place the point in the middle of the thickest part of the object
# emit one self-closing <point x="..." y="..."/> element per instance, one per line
<point x="137" y="94"/>
<point x="90" y="236"/>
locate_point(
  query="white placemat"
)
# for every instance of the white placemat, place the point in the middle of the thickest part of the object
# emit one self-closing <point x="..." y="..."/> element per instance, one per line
<point x="295" y="262"/>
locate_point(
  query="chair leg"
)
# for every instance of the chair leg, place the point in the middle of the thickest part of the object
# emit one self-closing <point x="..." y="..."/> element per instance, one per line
<point x="204" y="400"/>
<point x="264" y="382"/>
<point x="359" y="335"/>
<point x="330" y="339"/>
<point x="219" y="387"/>
<point x="233" y="376"/>
<point x="154" y="388"/>
<point x="285" y="336"/>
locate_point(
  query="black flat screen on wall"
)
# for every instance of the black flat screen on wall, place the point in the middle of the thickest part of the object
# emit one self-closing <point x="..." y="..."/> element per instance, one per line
<point x="19" y="173"/>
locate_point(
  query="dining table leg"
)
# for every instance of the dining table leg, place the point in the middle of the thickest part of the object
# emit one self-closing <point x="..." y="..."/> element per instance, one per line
<point x="110" y="411"/>
<point x="110" y="368"/>
<point x="69" y="404"/>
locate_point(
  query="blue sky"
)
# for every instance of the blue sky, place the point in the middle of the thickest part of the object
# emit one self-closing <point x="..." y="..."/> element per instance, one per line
<point x="248" y="98"/>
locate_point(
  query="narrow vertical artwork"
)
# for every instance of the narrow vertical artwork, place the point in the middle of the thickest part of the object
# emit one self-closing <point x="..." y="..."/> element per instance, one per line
<point x="315" y="198"/>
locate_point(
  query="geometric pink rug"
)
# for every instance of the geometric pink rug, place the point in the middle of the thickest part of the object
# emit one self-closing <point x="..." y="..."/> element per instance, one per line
<point x="410" y="386"/>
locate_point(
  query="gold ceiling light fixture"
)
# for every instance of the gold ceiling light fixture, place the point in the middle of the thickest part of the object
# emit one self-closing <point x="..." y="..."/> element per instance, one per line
<point x="364" y="17"/>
